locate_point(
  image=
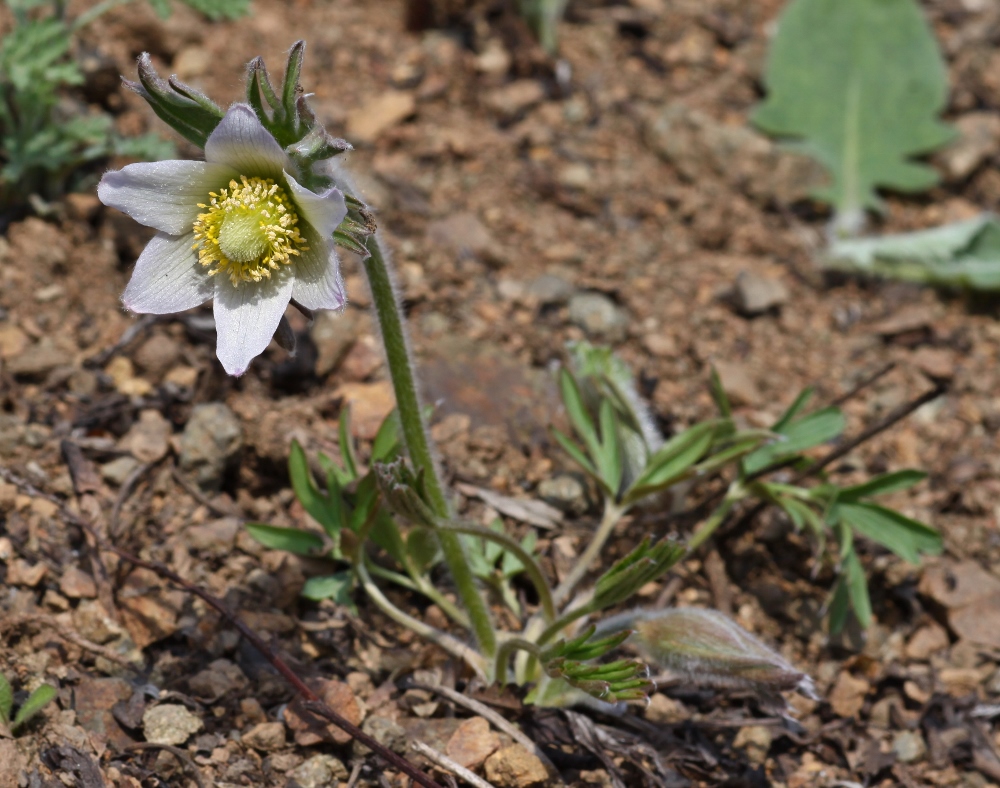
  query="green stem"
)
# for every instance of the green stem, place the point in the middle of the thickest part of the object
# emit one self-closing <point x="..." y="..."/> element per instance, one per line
<point x="443" y="640"/>
<point x="612" y="515"/>
<point x="707" y="528"/>
<point x="422" y="586"/>
<point x="506" y="651"/>
<point x="531" y="567"/>
<point x="390" y="319"/>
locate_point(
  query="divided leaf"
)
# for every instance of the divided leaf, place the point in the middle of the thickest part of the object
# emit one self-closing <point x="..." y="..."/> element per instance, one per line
<point x="860" y="84"/>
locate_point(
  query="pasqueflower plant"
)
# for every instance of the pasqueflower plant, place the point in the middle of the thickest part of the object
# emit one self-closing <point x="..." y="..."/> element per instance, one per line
<point x="254" y="227"/>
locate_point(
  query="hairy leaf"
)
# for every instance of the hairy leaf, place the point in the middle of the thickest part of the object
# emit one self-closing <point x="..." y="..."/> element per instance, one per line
<point x="294" y="540"/>
<point x="964" y="254"/>
<point x="859" y="83"/>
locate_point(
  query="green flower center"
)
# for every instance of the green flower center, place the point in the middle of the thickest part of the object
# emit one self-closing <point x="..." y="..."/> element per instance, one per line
<point x="248" y="230"/>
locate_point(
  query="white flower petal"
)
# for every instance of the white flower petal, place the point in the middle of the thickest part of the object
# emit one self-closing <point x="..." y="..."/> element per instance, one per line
<point x="163" y="195"/>
<point x="318" y="284"/>
<point x="167" y="277"/>
<point x="246" y="317"/>
<point x="240" y="141"/>
<point x="323" y="211"/>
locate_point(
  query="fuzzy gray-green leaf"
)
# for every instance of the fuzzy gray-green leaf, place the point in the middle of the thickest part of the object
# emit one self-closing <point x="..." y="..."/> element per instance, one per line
<point x="859" y="83"/>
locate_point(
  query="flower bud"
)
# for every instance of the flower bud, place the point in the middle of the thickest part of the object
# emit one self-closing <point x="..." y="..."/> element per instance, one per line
<point x="708" y="648"/>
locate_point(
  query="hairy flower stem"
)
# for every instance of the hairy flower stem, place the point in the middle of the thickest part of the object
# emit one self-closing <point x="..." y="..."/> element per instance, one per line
<point x="390" y="319"/>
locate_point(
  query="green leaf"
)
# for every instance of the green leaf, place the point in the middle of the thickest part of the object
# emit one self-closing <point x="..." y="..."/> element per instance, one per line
<point x="794" y="409"/>
<point x="857" y="589"/>
<point x="346" y="442"/>
<point x="38" y="699"/>
<point x="423" y="548"/>
<point x="809" y="431"/>
<point x="719" y="395"/>
<point x="964" y="254"/>
<point x="6" y="699"/>
<point x="860" y="84"/>
<point x="575" y="452"/>
<point x="610" y="459"/>
<point x="839" y="607"/>
<point x="294" y="540"/>
<point x="577" y="412"/>
<point x="906" y="537"/>
<point x="386" y="444"/>
<point x="673" y="460"/>
<point x="881" y="485"/>
<point x="336" y="587"/>
<point x="327" y="510"/>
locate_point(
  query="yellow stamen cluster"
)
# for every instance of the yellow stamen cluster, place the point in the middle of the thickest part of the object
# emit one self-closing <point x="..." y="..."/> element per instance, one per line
<point x="248" y="230"/>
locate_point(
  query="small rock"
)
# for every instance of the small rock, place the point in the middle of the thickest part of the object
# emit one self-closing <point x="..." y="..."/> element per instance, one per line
<point x="665" y="710"/>
<point x="216" y="680"/>
<point x="565" y="492"/>
<point x="472" y="743"/>
<point x="927" y="640"/>
<point x="21" y="573"/>
<point x="549" y="289"/>
<point x="847" y="697"/>
<point x="756" y="741"/>
<point x="339" y="697"/>
<point x="149" y="608"/>
<point x="117" y="471"/>
<point x="148" y="440"/>
<point x="211" y="442"/>
<point x="662" y="345"/>
<point x="39" y="359"/>
<point x="909" y="746"/>
<point x="320" y="771"/>
<point x="979" y="135"/>
<point x="13" y="341"/>
<point x="252" y="710"/>
<point x="265" y="736"/>
<point x="93" y="701"/>
<point x="214" y="538"/>
<point x="467" y="236"/>
<point x="515" y="767"/>
<point x="385" y="732"/>
<point x="53" y="292"/>
<point x="575" y="176"/>
<point x="598" y="316"/>
<point x="451" y="427"/>
<point x="756" y="294"/>
<point x="192" y="61"/>
<point x="333" y="334"/>
<point x="510" y="101"/>
<point x="121" y="370"/>
<point x="171" y="724"/>
<point x="77" y="584"/>
<point x="737" y="382"/>
<point x="370" y="404"/>
<point x="92" y="621"/>
<point x="157" y="355"/>
<point x="362" y="360"/>
<point x="368" y="122"/>
<point x="494" y="58"/>
<point x="935" y="363"/>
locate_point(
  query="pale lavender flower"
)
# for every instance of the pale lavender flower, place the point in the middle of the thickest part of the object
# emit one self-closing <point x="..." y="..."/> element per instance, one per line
<point x="236" y="228"/>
